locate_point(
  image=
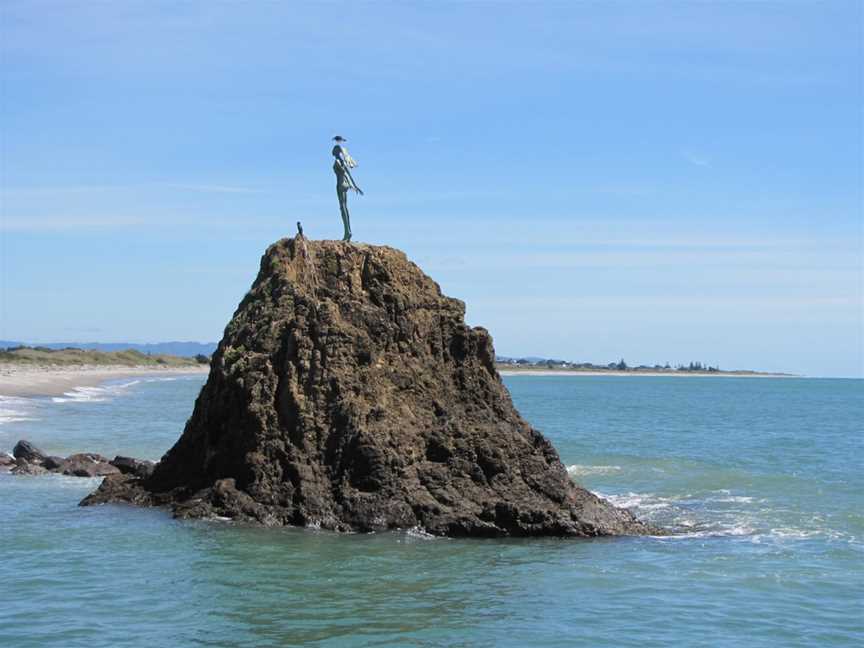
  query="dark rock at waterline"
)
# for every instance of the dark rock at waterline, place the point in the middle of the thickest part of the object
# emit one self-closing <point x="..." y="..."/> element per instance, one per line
<point x="122" y="488"/>
<point x="23" y="467"/>
<point x="348" y="394"/>
<point x="53" y="462"/>
<point x="88" y="465"/>
<point x="6" y="461"/>
<point x="131" y="466"/>
<point x="28" y="452"/>
<point x="32" y="461"/>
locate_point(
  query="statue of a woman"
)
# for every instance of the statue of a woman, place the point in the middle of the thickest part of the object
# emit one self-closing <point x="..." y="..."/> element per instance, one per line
<point x="342" y="166"/>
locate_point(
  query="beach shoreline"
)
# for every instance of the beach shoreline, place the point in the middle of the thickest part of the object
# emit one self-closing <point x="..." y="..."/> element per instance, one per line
<point x="24" y="381"/>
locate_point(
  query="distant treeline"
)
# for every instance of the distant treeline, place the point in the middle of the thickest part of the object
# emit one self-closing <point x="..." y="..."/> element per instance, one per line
<point x="621" y="365"/>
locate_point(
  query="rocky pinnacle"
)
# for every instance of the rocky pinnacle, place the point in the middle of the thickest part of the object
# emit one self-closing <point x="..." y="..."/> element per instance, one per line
<point x="348" y="394"/>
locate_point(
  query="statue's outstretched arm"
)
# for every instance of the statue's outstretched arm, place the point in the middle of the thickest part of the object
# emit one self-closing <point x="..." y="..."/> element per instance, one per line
<point x="351" y="178"/>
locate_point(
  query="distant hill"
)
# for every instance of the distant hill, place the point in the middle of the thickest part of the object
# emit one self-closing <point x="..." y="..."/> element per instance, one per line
<point x="182" y="349"/>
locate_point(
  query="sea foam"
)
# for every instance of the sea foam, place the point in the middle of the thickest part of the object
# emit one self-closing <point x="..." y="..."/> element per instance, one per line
<point x="579" y="470"/>
<point x="717" y="514"/>
<point x="13" y="408"/>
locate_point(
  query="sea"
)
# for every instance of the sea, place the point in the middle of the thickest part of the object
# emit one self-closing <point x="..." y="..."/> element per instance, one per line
<point x="760" y="479"/>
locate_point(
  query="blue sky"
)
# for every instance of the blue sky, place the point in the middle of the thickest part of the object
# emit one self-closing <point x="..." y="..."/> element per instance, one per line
<point x="657" y="181"/>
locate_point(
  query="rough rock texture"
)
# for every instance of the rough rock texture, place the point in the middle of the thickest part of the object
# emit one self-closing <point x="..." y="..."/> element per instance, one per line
<point x="131" y="466"/>
<point x="54" y="463"/>
<point x="347" y="393"/>
<point x="88" y="464"/>
<point x="28" y="452"/>
<point x="24" y="467"/>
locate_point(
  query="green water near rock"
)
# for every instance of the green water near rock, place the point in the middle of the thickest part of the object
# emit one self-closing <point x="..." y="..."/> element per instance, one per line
<point x="761" y="478"/>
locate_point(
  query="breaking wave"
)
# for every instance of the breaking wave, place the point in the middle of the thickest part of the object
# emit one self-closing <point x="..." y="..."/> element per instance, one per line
<point x="83" y="395"/>
<point x="106" y="391"/>
<point x="579" y="470"/>
<point x="14" y="409"/>
<point x="720" y="513"/>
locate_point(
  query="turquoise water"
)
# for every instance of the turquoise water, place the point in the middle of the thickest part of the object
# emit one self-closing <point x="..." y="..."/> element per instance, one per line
<point x="761" y="477"/>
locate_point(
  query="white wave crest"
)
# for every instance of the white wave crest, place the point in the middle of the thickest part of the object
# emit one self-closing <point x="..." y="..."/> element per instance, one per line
<point x="106" y="391"/>
<point x="419" y="533"/>
<point x="10" y="416"/>
<point x="579" y="470"/>
<point x="720" y="514"/>
<point x="640" y="501"/>
<point x="83" y="395"/>
<point x="736" y="499"/>
<point x="14" y="409"/>
<point x="95" y="394"/>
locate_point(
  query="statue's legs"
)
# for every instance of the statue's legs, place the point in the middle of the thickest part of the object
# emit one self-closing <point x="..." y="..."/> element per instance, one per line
<point x="343" y="208"/>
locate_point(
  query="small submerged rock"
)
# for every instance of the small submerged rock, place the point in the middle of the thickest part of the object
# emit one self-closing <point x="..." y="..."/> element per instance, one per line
<point x="54" y="463"/>
<point x="23" y="467"/>
<point x="28" y="452"/>
<point x="88" y="465"/>
<point x="137" y="467"/>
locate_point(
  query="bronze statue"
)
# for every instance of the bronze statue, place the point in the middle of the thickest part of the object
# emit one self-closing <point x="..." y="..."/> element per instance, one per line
<point x="344" y="181"/>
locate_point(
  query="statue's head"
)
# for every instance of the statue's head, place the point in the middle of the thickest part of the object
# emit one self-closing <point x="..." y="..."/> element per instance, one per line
<point x="337" y="148"/>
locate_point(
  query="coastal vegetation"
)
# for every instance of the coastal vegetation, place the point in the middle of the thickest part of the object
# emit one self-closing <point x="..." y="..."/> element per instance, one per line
<point x="621" y="366"/>
<point x="72" y="357"/>
<point x="182" y="349"/>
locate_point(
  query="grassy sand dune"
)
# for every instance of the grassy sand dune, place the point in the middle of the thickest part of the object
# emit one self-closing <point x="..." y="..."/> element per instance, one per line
<point x="36" y="356"/>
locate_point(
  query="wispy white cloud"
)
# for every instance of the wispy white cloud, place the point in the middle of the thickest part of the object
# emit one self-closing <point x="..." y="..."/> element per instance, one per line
<point x="724" y="260"/>
<point x="696" y="159"/>
<point x="473" y="236"/>
<point x="65" y="223"/>
<point x="639" y="301"/>
<point x="229" y="226"/>
<point x="205" y="188"/>
<point x="37" y="191"/>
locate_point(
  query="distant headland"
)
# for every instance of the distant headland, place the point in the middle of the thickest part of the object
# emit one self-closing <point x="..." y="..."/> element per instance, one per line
<point x="534" y="366"/>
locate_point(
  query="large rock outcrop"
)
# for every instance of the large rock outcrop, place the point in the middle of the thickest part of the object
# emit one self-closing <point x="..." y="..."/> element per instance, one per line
<point x="347" y="393"/>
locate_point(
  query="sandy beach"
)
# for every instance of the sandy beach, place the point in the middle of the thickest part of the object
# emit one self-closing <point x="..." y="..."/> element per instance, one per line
<point x="45" y="380"/>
